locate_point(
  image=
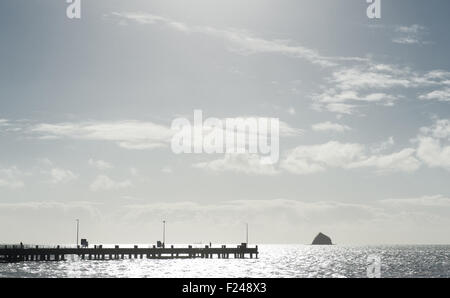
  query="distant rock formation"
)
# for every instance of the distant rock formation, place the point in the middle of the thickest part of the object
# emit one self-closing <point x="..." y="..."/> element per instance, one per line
<point x="322" y="239"/>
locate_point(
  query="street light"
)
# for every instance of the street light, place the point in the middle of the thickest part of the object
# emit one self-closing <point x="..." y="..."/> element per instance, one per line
<point x="78" y="228"/>
<point x="246" y="225"/>
<point x="164" y="233"/>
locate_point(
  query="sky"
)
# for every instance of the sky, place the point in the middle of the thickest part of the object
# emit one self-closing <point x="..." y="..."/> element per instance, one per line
<point x="86" y="107"/>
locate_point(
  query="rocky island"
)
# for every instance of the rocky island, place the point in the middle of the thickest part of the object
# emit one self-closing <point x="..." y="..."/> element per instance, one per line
<point x="322" y="239"/>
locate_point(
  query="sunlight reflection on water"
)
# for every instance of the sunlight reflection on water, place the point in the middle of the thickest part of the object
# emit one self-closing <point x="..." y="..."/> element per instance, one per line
<point x="274" y="261"/>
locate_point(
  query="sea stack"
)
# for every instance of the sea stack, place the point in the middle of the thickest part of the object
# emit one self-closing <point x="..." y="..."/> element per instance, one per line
<point x="322" y="239"/>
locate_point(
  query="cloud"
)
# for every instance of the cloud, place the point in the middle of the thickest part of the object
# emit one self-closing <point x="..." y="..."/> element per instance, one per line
<point x="11" y="177"/>
<point x="383" y="145"/>
<point x="104" y="183"/>
<point x="25" y="221"/>
<point x="434" y="144"/>
<point x="311" y="159"/>
<point x="425" y="201"/>
<point x="240" y="163"/>
<point x="351" y="87"/>
<point x="134" y="172"/>
<point x="167" y="170"/>
<point x="276" y="210"/>
<point x="439" y="95"/>
<point x="340" y="108"/>
<point x="410" y="34"/>
<point x="355" y="84"/>
<point x="371" y="76"/>
<point x="130" y="134"/>
<point x="40" y="205"/>
<point x="273" y="220"/>
<point x="240" y="41"/>
<point x="329" y="126"/>
<point x="100" y="164"/>
<point x="317" y="158"/>
<point x="433" y="153"/>
<point x="406" y="40"/>
<point x="440" y="129"/>
<point x="402" y="161"/>
<point x="304" y="160"/>
<point x="59" y="175"/>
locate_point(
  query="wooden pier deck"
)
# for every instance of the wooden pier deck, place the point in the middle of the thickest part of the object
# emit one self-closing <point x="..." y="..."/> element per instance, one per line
<point x="36" y="253"/>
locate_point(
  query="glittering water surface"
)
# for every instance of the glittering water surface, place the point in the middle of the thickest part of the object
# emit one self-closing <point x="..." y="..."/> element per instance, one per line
<point x="274" y="261"/>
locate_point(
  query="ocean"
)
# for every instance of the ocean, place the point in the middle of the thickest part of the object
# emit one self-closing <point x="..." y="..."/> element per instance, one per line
<point x="287" y="261"/>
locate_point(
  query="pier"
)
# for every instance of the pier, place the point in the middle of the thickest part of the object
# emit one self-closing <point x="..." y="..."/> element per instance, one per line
<point x="17" y="253"/>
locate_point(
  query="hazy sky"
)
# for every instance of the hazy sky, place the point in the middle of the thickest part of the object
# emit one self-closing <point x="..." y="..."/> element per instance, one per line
<point x="86" y="107"/>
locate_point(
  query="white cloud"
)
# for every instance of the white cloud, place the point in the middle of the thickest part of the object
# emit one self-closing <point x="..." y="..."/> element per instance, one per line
<point x="352" y="87"/>
<point x="329" y="126"/>
<point x="425" y="201"/>
<point x="433" y="149"/>
<point x="340" y="108"/>
<point x="406" y="40"/>
<point x="345" y="222"/>
<point x="167" y="170"/>
<point x="11" y="177"/>
<point x="59" y="175"/>
<point x="383" y="145"/>
<point x="100" y="164"/>
<point x="439" y="95"/>
<point x="241" y="163"/>
<point x="127" y="134"/>
<point x="434" y="144"/>
<point x="410" y="34"/>
<point x="269" y="217"/>
<point x="403" y="161"/>
<point x="317" y="158"/>
<point x="433" y="153"/>
<point x="103" y="183"/>
<point x="240" y="41"/>
<point x="372" y="76"/>
<point x="134" y="171"/>
<point x="414" y="29"/>
<point x="440" y="129"/>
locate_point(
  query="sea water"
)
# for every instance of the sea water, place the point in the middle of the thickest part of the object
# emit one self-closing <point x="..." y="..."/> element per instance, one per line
<point x="286" y="261"/>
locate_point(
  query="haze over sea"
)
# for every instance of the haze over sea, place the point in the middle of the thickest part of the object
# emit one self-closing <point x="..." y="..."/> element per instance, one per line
<point x="274" y="261"/>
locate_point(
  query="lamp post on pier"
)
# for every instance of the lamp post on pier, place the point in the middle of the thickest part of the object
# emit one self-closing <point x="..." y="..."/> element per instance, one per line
<point x="78" y="229"/>
<point x="164" y="233"/>
<point x="246" y="235"/>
